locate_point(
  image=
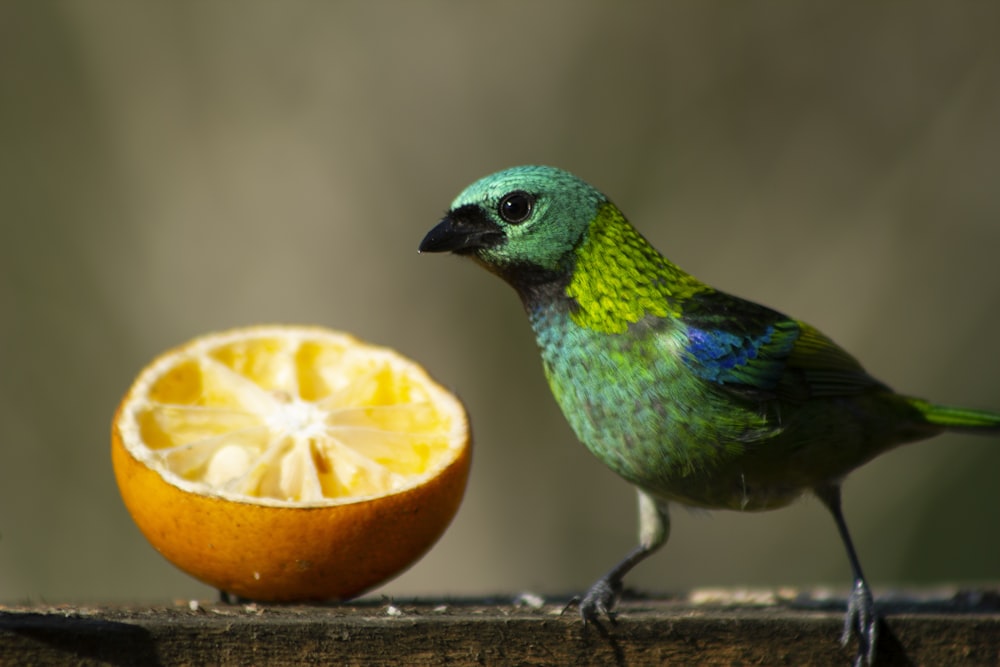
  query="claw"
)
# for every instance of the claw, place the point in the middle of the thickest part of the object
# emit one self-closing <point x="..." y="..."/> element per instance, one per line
<point x="601" y="600"/>
<point x="573" y="602"/>
<point x="861" y="620"/>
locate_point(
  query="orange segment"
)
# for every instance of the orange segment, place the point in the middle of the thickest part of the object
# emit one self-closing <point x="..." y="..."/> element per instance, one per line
<point x="289" y="463"/>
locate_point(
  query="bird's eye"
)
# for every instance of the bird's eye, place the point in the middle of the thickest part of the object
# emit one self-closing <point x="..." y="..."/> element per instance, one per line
<point x="516" y="207"/>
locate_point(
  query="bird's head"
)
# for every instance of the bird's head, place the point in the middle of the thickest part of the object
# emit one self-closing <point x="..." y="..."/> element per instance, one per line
<point x="518" y="222"/>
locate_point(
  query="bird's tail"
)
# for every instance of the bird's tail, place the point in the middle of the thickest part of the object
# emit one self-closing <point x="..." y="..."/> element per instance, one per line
<point x="966" y="420"/>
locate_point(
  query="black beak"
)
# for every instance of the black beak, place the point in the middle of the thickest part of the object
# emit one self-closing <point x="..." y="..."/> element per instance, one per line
<point x="464" y="230"/>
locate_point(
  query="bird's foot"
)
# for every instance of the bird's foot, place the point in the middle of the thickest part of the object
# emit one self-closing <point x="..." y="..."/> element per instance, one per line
<point x="861" y="621"/>
<point x="601" y="600"/>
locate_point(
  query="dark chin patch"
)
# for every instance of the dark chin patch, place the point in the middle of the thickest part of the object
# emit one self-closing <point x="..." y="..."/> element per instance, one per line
<point x="531" y="281"/>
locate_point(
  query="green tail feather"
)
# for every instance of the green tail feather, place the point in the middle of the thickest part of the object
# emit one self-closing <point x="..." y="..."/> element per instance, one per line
<point x="959" y="419"/>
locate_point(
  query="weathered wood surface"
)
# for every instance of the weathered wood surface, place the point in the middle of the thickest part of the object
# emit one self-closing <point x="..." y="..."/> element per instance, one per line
<point x="729" y="627"/>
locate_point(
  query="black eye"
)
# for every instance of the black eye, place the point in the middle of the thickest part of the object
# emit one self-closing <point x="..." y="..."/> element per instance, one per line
<point x="516" y="207"/>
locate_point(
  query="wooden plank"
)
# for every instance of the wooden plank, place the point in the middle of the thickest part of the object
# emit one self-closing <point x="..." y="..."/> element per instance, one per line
<point x="705" y="628"/>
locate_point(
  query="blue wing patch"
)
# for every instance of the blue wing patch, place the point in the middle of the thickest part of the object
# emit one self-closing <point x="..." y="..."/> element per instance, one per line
<point x="755" y="360"/>
<point x="749" y="348"/>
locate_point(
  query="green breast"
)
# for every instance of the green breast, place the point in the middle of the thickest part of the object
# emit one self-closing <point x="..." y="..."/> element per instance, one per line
<point x="637" y="408"/>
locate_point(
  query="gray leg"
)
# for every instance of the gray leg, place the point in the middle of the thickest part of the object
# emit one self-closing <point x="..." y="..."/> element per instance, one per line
<point x="861" y="619"/>
<point x="654" y="528"/>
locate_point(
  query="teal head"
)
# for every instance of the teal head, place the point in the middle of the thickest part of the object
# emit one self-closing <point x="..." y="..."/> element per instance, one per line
<point x="519" y="223"/>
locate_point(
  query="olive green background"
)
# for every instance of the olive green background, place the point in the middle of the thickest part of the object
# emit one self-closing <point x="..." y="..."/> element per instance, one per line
<point x="173" y="168"/>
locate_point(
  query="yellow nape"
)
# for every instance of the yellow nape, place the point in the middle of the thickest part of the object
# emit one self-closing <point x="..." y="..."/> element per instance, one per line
<point x="619" y="278"/>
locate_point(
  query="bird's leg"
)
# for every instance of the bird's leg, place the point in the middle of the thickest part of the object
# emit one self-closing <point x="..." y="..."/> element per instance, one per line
<point x="654" y="527"/>
<point x="861" y="618"/>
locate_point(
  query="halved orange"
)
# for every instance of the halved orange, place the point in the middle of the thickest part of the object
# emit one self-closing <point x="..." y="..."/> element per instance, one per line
<point x="283" y="463"/>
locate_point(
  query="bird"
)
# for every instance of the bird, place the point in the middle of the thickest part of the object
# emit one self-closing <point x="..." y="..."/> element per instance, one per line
<point x="694" y="396"/>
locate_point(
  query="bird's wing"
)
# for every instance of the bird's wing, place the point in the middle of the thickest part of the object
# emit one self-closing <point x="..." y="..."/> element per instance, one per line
<point x="761" y="354"/>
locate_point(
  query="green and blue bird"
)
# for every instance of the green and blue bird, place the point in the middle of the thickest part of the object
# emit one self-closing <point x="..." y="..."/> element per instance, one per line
<point x="692" y="395"/>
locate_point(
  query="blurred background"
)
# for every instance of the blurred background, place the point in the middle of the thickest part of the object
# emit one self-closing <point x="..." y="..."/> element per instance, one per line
<point x="173" y="168"/>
